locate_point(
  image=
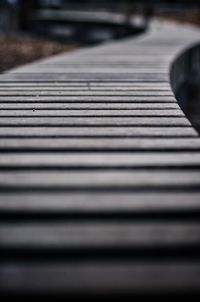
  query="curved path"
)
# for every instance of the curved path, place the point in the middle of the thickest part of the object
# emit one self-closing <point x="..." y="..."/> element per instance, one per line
<point x="100" y="171"/>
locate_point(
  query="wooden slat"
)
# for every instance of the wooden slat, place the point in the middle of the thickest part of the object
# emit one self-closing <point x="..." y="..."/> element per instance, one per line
<point x="99" y="144"/>
<point x="100" y="179"/>
<point x="91" y="113"/>
<point x="98" y="131"/>
<point x="100" y="277"/>
<point x="94" y="121"/>
<point x="100" y="160"/>
<point x="86" y="106"/>
<point x="102" y="235"/>
<point x="83" y="203"/>
<point x="82" y="98"/>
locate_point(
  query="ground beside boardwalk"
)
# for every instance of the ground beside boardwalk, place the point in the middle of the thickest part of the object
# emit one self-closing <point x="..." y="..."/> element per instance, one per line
<point x="16" y="51"/>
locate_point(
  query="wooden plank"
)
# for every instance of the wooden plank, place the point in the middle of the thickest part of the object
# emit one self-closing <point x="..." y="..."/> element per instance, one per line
<point x="100" y="203"/>
<point x="82" y="92"/>
<point x="100" y="144"/>
<point x="131" y="180"/>
<point x="87" y="106"/>
<point x="94" y="121"/>
<point x="100" y="277"/>
<point x="94" y="86"/>
<point x="82" y="98"/>
<point x="84" y="131"/>
<point x="101" y="235"/>
<point x="91" y="113"/>
<point x="100" y="160"/>
<point x="61" y="76"/>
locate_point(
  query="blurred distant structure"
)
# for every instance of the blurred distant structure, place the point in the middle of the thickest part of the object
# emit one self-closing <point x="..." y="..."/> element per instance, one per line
<point x="45" y="16"/>
<point x="8" y="16"/>
<point x="82" y="21"/>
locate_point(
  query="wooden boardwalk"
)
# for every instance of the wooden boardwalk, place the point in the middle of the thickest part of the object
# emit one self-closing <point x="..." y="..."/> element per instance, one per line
<point x="100" y="172"/>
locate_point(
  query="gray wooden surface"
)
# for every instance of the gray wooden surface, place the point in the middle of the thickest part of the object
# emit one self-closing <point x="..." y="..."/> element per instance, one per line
<point x="100" y="172"/>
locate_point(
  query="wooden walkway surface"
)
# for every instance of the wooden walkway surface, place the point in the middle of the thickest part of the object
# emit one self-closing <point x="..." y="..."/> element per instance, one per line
<point x="99" y="172"/>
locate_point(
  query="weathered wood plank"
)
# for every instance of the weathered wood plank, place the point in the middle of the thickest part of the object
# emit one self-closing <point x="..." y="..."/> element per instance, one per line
<point x="106" y="203"/>
<point x="82" y="98"/>
<point x="103" y="180"/>
<point x="84" y="131"/>
<point x="102" y="235"/>
<point x="99" y="144"/>
<point x="94" y="121"/>
<point x="91" y="113"/>
<point x="87" y="106"/>
<point x="100" y="277"/>
<point x="99" y="160"/>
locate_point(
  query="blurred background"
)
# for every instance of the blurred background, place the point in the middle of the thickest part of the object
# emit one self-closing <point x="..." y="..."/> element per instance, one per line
<point x="32" y="29"/>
